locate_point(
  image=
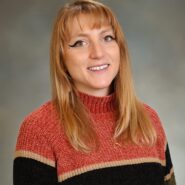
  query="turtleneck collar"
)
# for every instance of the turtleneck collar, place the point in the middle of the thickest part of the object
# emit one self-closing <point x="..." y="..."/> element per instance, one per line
<point x="98" y="104"/>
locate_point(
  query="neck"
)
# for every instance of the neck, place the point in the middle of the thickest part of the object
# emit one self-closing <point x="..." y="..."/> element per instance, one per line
<point x="98" y="92"/>
<point x="98" y="104"/>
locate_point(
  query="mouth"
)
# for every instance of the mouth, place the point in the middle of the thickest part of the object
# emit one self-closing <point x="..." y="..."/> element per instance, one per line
<point x="99" y="67"/>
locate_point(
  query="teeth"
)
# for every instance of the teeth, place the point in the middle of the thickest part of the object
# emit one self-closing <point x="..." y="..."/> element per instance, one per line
<point x="98" y="68"/>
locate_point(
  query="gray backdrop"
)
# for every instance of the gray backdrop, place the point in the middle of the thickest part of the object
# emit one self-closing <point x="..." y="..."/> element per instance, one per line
<point x="155" y="32"/>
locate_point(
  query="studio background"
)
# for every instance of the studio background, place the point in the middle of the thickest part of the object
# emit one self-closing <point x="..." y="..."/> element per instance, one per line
<point x="155" y="33"/>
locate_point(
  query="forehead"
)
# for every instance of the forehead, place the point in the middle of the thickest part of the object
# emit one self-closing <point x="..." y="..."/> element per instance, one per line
<point x="85" y="21"/>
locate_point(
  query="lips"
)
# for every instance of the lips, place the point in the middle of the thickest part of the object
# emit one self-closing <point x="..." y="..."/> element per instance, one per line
<point x="98" y="67"/>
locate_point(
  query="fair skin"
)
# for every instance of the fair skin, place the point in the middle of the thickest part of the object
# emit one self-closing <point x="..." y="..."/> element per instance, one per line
<point x="92" y="57"/>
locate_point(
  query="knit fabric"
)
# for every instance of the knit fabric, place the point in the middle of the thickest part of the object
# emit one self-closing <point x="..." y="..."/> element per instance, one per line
<point x="45" y="157"/>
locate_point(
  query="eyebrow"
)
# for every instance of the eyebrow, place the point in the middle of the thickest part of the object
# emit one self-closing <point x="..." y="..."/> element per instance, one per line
<point x="86" y="34"/>
<point x="107" y="30"/>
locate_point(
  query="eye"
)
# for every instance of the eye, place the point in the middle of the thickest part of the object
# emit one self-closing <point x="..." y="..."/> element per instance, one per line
<point x="109" y="38"/>
<point x="78" y="43"/>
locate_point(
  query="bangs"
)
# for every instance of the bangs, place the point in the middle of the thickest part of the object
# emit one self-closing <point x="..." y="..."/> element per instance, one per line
<point x="94" y="20"/>
<point x="96" y="16"/>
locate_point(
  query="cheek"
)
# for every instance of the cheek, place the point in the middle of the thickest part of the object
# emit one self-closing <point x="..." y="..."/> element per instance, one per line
<point x="116" y="56"/>
<point x="115" y="51"/>
<point x="71" y="68"/>
<point x="71" y="62"/>
<point x="74" y="67"/>
<point x="116" y="62"/>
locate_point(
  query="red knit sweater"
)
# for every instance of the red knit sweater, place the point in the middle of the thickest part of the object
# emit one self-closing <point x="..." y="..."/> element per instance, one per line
<point x="43" y="151"/>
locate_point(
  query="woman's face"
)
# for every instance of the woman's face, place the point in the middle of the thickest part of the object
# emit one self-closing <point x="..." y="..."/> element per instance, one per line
<point x="92" y="57"/>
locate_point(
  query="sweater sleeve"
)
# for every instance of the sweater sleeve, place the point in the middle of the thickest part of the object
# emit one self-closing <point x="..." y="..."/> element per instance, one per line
<point x="169" y="178"/>
<point x="34" y="162"/>
<point x="169" y="172"/>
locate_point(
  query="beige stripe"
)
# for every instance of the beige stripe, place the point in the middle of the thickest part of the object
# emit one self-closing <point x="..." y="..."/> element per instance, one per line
<point x="168" y="176"/>
<point x="31" y="155"/>
<point x="108" y="164"/>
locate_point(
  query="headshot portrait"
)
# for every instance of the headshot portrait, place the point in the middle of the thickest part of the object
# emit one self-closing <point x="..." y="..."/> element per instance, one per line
<point x="95" y="93"/>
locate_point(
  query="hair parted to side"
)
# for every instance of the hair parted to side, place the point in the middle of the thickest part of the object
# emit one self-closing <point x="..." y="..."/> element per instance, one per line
<point x="133" y="123"/>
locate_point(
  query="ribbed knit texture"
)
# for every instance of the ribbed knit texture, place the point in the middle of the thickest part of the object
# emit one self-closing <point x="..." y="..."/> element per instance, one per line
<point x="42" y="143"/>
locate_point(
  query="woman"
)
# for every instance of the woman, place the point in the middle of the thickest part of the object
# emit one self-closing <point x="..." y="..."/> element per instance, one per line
<point x="95" y="131"/>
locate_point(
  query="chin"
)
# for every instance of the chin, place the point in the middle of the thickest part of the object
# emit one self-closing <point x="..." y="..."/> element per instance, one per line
<point x="103" y="86"/>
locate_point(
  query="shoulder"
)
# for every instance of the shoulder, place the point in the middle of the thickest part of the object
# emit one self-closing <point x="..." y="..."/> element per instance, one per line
<point x="41" y="119"/>
<point x="36" y="134"/>
<point x="154" y="116"/>
<point x="151" y="112"/>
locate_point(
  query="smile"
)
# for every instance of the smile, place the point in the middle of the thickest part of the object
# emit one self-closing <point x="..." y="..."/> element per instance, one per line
<point x="98" y="68"/>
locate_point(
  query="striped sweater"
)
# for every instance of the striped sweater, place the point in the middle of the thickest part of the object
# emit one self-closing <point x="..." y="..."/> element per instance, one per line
<point x="44" y="156"/>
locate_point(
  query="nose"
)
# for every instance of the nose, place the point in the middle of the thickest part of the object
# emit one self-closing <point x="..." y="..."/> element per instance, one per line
<point x="96" y="50"/>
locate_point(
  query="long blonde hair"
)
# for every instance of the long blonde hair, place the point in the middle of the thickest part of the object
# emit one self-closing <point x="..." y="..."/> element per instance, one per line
<point x="133" y="123"/>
